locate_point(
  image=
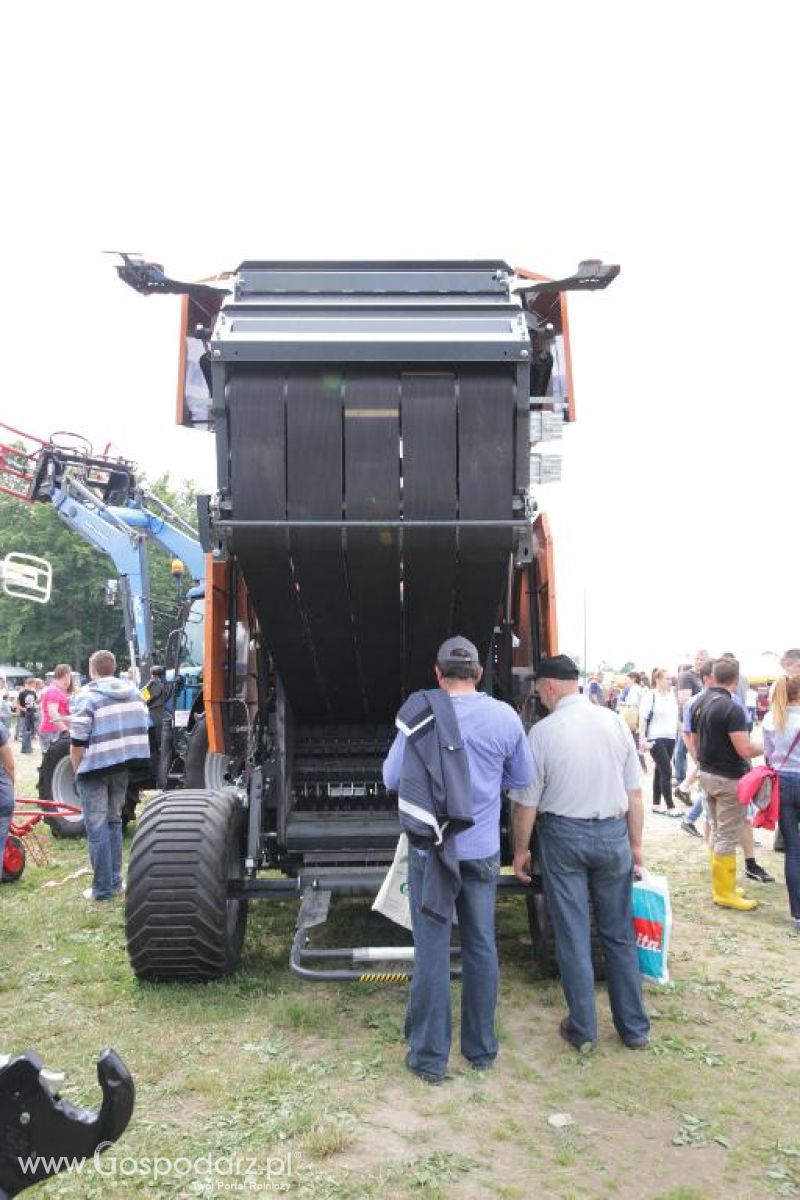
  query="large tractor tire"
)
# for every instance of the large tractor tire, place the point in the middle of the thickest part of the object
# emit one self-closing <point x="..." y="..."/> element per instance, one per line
<point x="57" y="782"/>
<point x="203" y="768"/>
<point x="180" y="921"/>
<point x="543" y="942"/>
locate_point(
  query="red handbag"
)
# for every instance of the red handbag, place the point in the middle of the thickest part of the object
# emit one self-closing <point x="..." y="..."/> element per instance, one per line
<point x="761" y="787"/>
<point x="756" y="787"/>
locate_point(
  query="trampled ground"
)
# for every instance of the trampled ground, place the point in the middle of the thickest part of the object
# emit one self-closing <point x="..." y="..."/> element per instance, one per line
<point x="263" y="1066"/>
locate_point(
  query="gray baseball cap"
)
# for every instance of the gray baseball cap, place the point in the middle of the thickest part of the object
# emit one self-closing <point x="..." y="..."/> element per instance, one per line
<point x="457" y="650"/>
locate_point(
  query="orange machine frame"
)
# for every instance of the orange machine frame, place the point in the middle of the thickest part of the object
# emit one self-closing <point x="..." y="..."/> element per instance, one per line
<point x="218" y="576"/>
<point x="540" y="599"/>
<point x="536" y="278"/>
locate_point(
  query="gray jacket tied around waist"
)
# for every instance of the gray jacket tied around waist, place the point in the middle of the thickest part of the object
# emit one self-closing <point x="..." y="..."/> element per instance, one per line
<point x="434" y="796"/>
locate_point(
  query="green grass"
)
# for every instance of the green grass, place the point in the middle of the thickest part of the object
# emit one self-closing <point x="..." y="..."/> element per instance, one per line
<point x="263" y="1065"/>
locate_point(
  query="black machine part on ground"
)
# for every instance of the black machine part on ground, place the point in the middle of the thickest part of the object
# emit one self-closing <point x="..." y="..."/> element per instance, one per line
<point x="36" y="1123"/>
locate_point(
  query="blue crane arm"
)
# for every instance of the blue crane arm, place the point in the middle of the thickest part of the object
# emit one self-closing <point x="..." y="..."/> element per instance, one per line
<point x="98" y="525"/>
<point x="155" y="525"/>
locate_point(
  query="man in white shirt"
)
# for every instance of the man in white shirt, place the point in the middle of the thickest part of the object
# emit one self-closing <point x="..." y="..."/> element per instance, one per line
<point x="586" y="802"/>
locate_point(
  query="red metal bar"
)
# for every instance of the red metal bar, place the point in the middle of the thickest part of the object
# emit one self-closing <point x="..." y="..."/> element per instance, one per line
<point x="47" y="808"/>
<point x="16" y="462"/>
<point x="21" y="433"/>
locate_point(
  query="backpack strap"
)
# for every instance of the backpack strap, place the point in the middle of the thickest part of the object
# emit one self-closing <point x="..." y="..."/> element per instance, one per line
<point x="790" y="751"/>
<point x="650" y="714"/>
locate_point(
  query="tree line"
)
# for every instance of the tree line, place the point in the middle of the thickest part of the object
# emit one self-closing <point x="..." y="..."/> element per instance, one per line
<point x="79" y="619"/>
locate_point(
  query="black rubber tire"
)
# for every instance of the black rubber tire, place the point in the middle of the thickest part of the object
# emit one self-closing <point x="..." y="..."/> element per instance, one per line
<point x="16" y="844"/>
<point x="129" y="807"/>
<point x="543" y="942"/>
<point x="57" y="782"/>
<point x="202" y="769"/>
<point x="180" y="923"/>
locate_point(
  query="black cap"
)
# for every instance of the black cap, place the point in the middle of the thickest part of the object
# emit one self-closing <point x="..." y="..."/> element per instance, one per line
<point x="560" y="666"/>
<point x="457" y="651"/>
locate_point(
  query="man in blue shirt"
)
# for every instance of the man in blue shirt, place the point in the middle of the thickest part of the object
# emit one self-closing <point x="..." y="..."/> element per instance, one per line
<point x="498" y="755"/>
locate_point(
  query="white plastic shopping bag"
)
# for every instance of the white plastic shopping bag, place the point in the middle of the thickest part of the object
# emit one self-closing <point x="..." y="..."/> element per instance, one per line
<point x="392" y="899"/>
<point x="652" y="925"/>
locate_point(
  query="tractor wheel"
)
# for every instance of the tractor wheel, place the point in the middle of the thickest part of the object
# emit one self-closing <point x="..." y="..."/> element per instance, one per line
<point x="543" y="940"/>
<point x="57" y="782"/>
<point x="180" y="921"/>
<point x="129" y="807"/>
<point x="204" y="769"/>
<point x="13" y="859"/>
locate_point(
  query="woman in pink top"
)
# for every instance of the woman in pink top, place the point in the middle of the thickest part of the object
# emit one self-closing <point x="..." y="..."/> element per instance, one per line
<point x="54" y="702"/>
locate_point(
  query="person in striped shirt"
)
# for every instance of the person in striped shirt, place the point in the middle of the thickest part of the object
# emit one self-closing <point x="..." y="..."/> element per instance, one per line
<point x="108" y="735"/>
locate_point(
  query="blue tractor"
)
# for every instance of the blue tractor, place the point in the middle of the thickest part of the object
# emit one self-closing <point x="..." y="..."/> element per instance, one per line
<point x="100" y="499"/>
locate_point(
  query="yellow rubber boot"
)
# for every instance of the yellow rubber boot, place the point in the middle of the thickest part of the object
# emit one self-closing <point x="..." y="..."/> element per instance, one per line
<point x="723" y="884"/>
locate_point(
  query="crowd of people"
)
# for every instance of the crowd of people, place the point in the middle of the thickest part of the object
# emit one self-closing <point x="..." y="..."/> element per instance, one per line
<point x="664" y="715"/>
<point x="110" y="730"/>
<point x="575" y="782"/>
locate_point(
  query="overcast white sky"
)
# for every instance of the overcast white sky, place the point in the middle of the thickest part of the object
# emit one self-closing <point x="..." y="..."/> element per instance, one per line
<point x="660" y="136"/>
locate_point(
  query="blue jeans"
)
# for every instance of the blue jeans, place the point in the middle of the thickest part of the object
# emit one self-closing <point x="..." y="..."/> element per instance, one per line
<point x="429" y="1013"/>
<point x="696" y="811"/>
<point x="679" y="761"/>
<point x="102" y="798"/>
<point x="789" y="821"/>
<point x="46" y="740"/>
<point x="6" y="812"/>
<point x="579" y="860"/>
<point x="27" y="729"/>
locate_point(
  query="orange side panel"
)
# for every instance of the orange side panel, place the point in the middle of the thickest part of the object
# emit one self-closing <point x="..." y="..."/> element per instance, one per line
<point x="532" y="275"/>
<point x="180" y="414"/>
<point x="568" y="358"/>
<point x="547" y="585"/>
<point x="217" y="587"/>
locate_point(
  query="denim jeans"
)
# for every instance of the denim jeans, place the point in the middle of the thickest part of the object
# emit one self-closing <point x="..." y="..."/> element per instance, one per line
<point x="46" y="740"/>
<point x="579" y="860"/>
<point x="679" y="761"/>
<point x="102" y="798"/>
<point x="429" y="1013"/>
<point x="6" y="812"/>
<point x="27" y="729"/>
<point x="790" y="828"/>
<point x="696" y="811"/>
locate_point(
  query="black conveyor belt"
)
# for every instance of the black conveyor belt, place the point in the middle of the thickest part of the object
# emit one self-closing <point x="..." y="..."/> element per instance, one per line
<point x="485" y="474"/>
<point x="324" y="442"/>
<point x="430" y="492"/>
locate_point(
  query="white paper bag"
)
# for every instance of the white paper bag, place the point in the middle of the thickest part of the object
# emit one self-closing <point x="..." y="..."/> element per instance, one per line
<point x="392" y="900"/>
